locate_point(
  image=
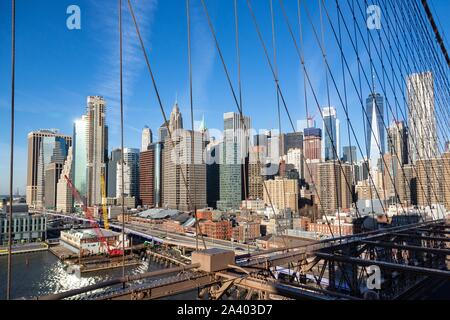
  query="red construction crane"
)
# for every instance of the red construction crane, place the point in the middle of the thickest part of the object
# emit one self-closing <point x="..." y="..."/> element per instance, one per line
<point x="92" y="221"/>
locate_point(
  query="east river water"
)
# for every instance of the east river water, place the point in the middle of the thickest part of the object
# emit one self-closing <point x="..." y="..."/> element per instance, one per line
<point x="41" y="273"/>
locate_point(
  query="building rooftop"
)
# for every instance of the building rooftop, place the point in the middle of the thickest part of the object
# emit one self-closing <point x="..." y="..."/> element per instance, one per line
<point x="159" y="214"/>
<point x="91" y="233"/>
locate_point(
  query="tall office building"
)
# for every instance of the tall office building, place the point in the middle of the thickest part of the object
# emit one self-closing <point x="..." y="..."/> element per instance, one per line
<point x="114" y="159"/>
<point x="398" y="142"/>
<point x="80" y="135"/>
<point x="147" y="177"/>
<point x="64" y="199"/>
<point x="295" y="158"/>
<point x="184" y="180"/>
<point x="349" y="155"/>
<point x="433" y="181"/>
<point x="262" y="140"/>
<point x="255" y="178"/>
<point x="375" y="133"/>
<point x="163" y="133"/>
<point x="312" y="144"/>
<point x="158" y="148"/>
<point x="176" y="119"/>
<point x="213" y="173"/>
<point x="293" y="141"/>
<point x="233" y="154"/>
<point x="44" y="147"/>
<point x="147" y="138"/>
<point x="331" y="132"/>
<point x="335" y="194"/>
<point x="130" y="174"/>
<point x="421" y="117"/>
<point x="282" y="194"/>
<point x="96" y="148"/>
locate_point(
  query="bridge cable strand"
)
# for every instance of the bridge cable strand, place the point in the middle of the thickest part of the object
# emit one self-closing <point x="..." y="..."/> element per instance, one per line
<point x="122" y="151"/>
<point x="341" y="48"/>
<point x="191" y="100"/>
<point x="406" y="103"/>
<point x="11" y="162"/>
<point x="233" y="92"/>
<point x="282" y="97"/>
<point x="239" y="73"/>
<point x="160" y="104"/>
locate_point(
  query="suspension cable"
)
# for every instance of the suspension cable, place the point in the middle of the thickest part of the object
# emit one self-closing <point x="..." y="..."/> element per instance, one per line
<point x="122" y="182"/>
<point x="160" y="104"/>
<point x="11" y="162"/>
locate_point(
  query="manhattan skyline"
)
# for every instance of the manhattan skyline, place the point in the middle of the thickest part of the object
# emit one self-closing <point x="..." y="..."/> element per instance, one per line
<point x="52" y="84"/>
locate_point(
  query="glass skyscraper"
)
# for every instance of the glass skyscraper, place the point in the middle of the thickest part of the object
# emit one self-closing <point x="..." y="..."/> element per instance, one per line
<point x="80" y="156"/>
<point x="331" y="133"/>
<point x="375" y="134"/>
<point x="234" y="149"/>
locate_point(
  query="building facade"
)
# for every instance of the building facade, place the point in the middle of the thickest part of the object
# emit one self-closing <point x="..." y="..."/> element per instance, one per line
<point x="147" y="178"/>
<point x="44" y="148"/>
<point x="97" y="148"/>
<point x="334" y="187"/>
<point x="421" y="117"/>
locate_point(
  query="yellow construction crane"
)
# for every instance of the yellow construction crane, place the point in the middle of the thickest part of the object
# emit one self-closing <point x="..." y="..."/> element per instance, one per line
<point x="104" y="209"/>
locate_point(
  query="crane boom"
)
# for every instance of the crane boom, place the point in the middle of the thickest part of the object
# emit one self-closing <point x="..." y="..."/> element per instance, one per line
<point x="104" y="209"/>
<point x="92" y="221"/>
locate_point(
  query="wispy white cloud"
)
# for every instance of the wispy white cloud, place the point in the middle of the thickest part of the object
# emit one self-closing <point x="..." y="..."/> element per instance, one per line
<point x="107" y="78"/>
<point x="203" y="60"/>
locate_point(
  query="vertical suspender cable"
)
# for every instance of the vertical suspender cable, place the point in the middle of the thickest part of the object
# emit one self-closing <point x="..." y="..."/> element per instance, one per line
<point x="11" y="166"/>
<point x="122" y="182"/>
<point x="194" y="205"/>
<point x="246" y="132"/>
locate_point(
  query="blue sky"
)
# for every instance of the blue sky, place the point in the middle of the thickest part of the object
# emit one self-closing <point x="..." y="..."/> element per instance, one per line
<point x="58" y="68"/>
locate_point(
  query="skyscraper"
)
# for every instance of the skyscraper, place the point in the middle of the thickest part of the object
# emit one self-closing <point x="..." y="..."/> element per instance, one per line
<point x="398" y="142"/>
<point x="312" y="144"/>
<point x="184" y="181"/>
<point x="80" y="132"/>
<point x="176" y="119"/>
<point x="421" y="117"/>
<point x="232" y="158"/>
<point x="375" y="133"/>
<point x="349" y="155"/>
<point x="332" y="186"/>
<point x="44" y="147"/>
<point x="64" y="199"/>
<point x="96" y="148"/>
<point x="213" y="173"/>
<point x="147" y="177"/>
<point x="293" y="140"/>
<point x="115" y="158"/>
<point x="147" y="138"/>
<point x="158" y="175"/>
<point x="255" y="178"/>
<point x="331" y="131"/>
<point x="282" y="194"/>
<point x="130" y="172"/>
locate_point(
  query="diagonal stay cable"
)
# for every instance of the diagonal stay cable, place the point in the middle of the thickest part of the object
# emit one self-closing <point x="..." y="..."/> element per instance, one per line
<point x="155" y="87"/>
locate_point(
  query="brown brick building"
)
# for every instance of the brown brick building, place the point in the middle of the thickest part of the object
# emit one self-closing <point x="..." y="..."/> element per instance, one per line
<point x="147" y="178"/>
